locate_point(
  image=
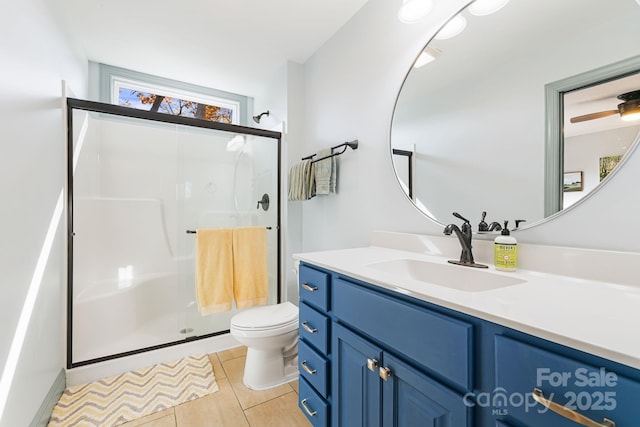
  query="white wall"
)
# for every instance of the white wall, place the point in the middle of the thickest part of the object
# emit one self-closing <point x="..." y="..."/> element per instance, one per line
<point x="294" y="146"/>
<point x="282" y="97"/>
<point x="36" y="57"/>
<point x="583" y="153"/>
<point x="351" y="85"/>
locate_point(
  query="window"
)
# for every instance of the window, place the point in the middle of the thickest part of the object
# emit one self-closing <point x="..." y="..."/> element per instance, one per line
<point x="151" y="93"/>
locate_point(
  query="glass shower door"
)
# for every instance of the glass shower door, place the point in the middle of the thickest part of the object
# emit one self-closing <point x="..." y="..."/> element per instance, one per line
<point x="222" y="176"/>
<point x="137" y="186"/>
<point x="124" y="273"/>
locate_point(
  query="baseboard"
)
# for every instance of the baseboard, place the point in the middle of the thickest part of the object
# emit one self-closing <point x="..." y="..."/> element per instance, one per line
<point x="41" y="419"/>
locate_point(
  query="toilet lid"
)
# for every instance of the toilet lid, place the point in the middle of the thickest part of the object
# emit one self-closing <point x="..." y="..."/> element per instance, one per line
<point x="267" y="317"/>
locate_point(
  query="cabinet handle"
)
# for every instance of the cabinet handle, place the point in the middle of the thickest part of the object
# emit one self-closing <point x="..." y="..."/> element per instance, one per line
<point x="308" y="287"/>
<point x="384" y="373"/>
<point x="306" y="368"/>
<point x="311" y="413"/>
<point x="569" y="413"/>
<point x="372" y="364"/>
<point x="309" y="329"/>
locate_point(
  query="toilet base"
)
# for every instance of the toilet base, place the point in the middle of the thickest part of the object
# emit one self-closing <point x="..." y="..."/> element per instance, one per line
<point x="268" y="368"/>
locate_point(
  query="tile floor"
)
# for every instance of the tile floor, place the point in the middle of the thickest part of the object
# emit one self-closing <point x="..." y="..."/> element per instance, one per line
<point x="233" y="405"/>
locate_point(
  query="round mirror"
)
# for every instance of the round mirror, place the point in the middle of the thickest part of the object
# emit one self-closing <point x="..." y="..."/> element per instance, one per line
<point x="480" y="125"/>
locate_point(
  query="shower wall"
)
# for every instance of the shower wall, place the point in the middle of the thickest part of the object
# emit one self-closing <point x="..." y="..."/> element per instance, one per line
<point x="138" y="186"/>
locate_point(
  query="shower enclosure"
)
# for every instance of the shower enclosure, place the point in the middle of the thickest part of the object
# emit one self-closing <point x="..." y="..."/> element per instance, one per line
<point x="138" y="182"/>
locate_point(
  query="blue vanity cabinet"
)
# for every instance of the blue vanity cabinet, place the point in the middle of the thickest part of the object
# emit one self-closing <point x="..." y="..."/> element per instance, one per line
<point x="440" y="344"/>
<point x="372" y="388"/>
<point x="384" y="359"/>
<point x="383" y="349"/>
<point x="314" y="359"/>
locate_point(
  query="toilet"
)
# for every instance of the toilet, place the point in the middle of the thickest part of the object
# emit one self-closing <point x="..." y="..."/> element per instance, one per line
<point x="271" y="336"/>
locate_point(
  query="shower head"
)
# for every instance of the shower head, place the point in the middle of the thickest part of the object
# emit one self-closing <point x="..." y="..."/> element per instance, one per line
<point x="236" y="143"/>
<point x="259" y="116"/>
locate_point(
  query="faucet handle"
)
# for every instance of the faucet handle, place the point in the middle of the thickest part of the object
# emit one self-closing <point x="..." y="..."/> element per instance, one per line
<point x="457" y="215"/>
<point x="483" y="226"/>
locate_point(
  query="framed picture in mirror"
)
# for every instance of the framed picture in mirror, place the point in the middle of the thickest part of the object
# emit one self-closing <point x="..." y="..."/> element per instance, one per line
<point x="607" y="164"/>
<point x="573" y="181"/>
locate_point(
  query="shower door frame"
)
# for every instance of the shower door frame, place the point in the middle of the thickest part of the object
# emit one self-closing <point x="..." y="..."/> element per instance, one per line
<point x="117" y="110"/>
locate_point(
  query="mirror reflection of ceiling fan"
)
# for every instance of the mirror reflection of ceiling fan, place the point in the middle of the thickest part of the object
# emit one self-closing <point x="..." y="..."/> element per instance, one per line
<point x="628" y="109"/>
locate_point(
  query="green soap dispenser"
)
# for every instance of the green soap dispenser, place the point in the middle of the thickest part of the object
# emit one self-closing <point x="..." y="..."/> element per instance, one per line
<point x="505" y="250"/>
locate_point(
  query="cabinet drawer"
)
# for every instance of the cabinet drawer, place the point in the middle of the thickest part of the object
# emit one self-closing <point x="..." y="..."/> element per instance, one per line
<point x="313" y="367"/>
<point x="314" y="287"/>
<point x="312" y="405"/>
<point x="439" y="343"/>
<point x="314" y="328"/>
<point x="591" y="391"/>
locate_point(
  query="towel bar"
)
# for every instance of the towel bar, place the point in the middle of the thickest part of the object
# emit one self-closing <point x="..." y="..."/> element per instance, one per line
<point x="352" y="144"/>
<point x="194" y="231"/>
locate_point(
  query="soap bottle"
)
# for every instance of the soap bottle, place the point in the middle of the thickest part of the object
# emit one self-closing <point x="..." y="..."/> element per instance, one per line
<point x="505" y="250"/>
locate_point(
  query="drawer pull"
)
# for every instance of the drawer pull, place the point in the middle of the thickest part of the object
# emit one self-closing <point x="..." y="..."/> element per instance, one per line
<point x="568" y="413"/>
<point x="309" y="287"/>
<point x="307" y="369"/>
<point x="308" y="328"/>
<point x="384" y="373"/>
<point x="311" y="413"/>
<point x="372" y="364"/>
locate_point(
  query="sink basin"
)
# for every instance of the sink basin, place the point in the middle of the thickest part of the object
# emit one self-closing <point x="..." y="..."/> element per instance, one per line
<point x="447" y="275"/>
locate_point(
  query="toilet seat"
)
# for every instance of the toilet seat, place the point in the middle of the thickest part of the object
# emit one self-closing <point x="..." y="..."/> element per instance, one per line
<point x="271" y="319"/>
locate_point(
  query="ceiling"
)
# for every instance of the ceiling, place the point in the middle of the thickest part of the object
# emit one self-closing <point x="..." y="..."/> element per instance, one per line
<point x="237" y="46"/>
<point x="599" y="97"/>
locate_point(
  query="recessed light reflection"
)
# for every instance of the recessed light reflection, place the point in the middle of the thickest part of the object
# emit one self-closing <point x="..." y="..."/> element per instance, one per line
<point x="414" y="10"/>
<point x="487" y="7"/>
<point x="452" y="28"/>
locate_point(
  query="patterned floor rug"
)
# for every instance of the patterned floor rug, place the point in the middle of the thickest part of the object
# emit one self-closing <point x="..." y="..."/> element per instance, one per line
<point x="116" y="400"/>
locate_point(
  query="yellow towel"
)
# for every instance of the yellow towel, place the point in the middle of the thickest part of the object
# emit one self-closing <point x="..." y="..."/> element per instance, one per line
<point x="250" y="270"/>
<point x="214" y="270"/>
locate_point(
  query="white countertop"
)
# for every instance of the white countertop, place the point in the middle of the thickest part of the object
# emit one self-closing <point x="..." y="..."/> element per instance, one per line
<point x="593" y="316"/>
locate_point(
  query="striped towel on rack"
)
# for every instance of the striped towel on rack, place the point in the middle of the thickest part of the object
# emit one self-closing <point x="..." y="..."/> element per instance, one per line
<point x="302" y="181"/>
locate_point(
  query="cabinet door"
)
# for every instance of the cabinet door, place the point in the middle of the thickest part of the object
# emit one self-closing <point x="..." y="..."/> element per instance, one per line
<point x="410" y="399"/>
<point x="356" y="384"/>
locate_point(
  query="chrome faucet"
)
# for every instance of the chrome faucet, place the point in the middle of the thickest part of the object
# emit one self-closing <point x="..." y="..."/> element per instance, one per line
<point x="484" y="227"/>
<point x="494" y="226"/>
<point x="464" y="237"/>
